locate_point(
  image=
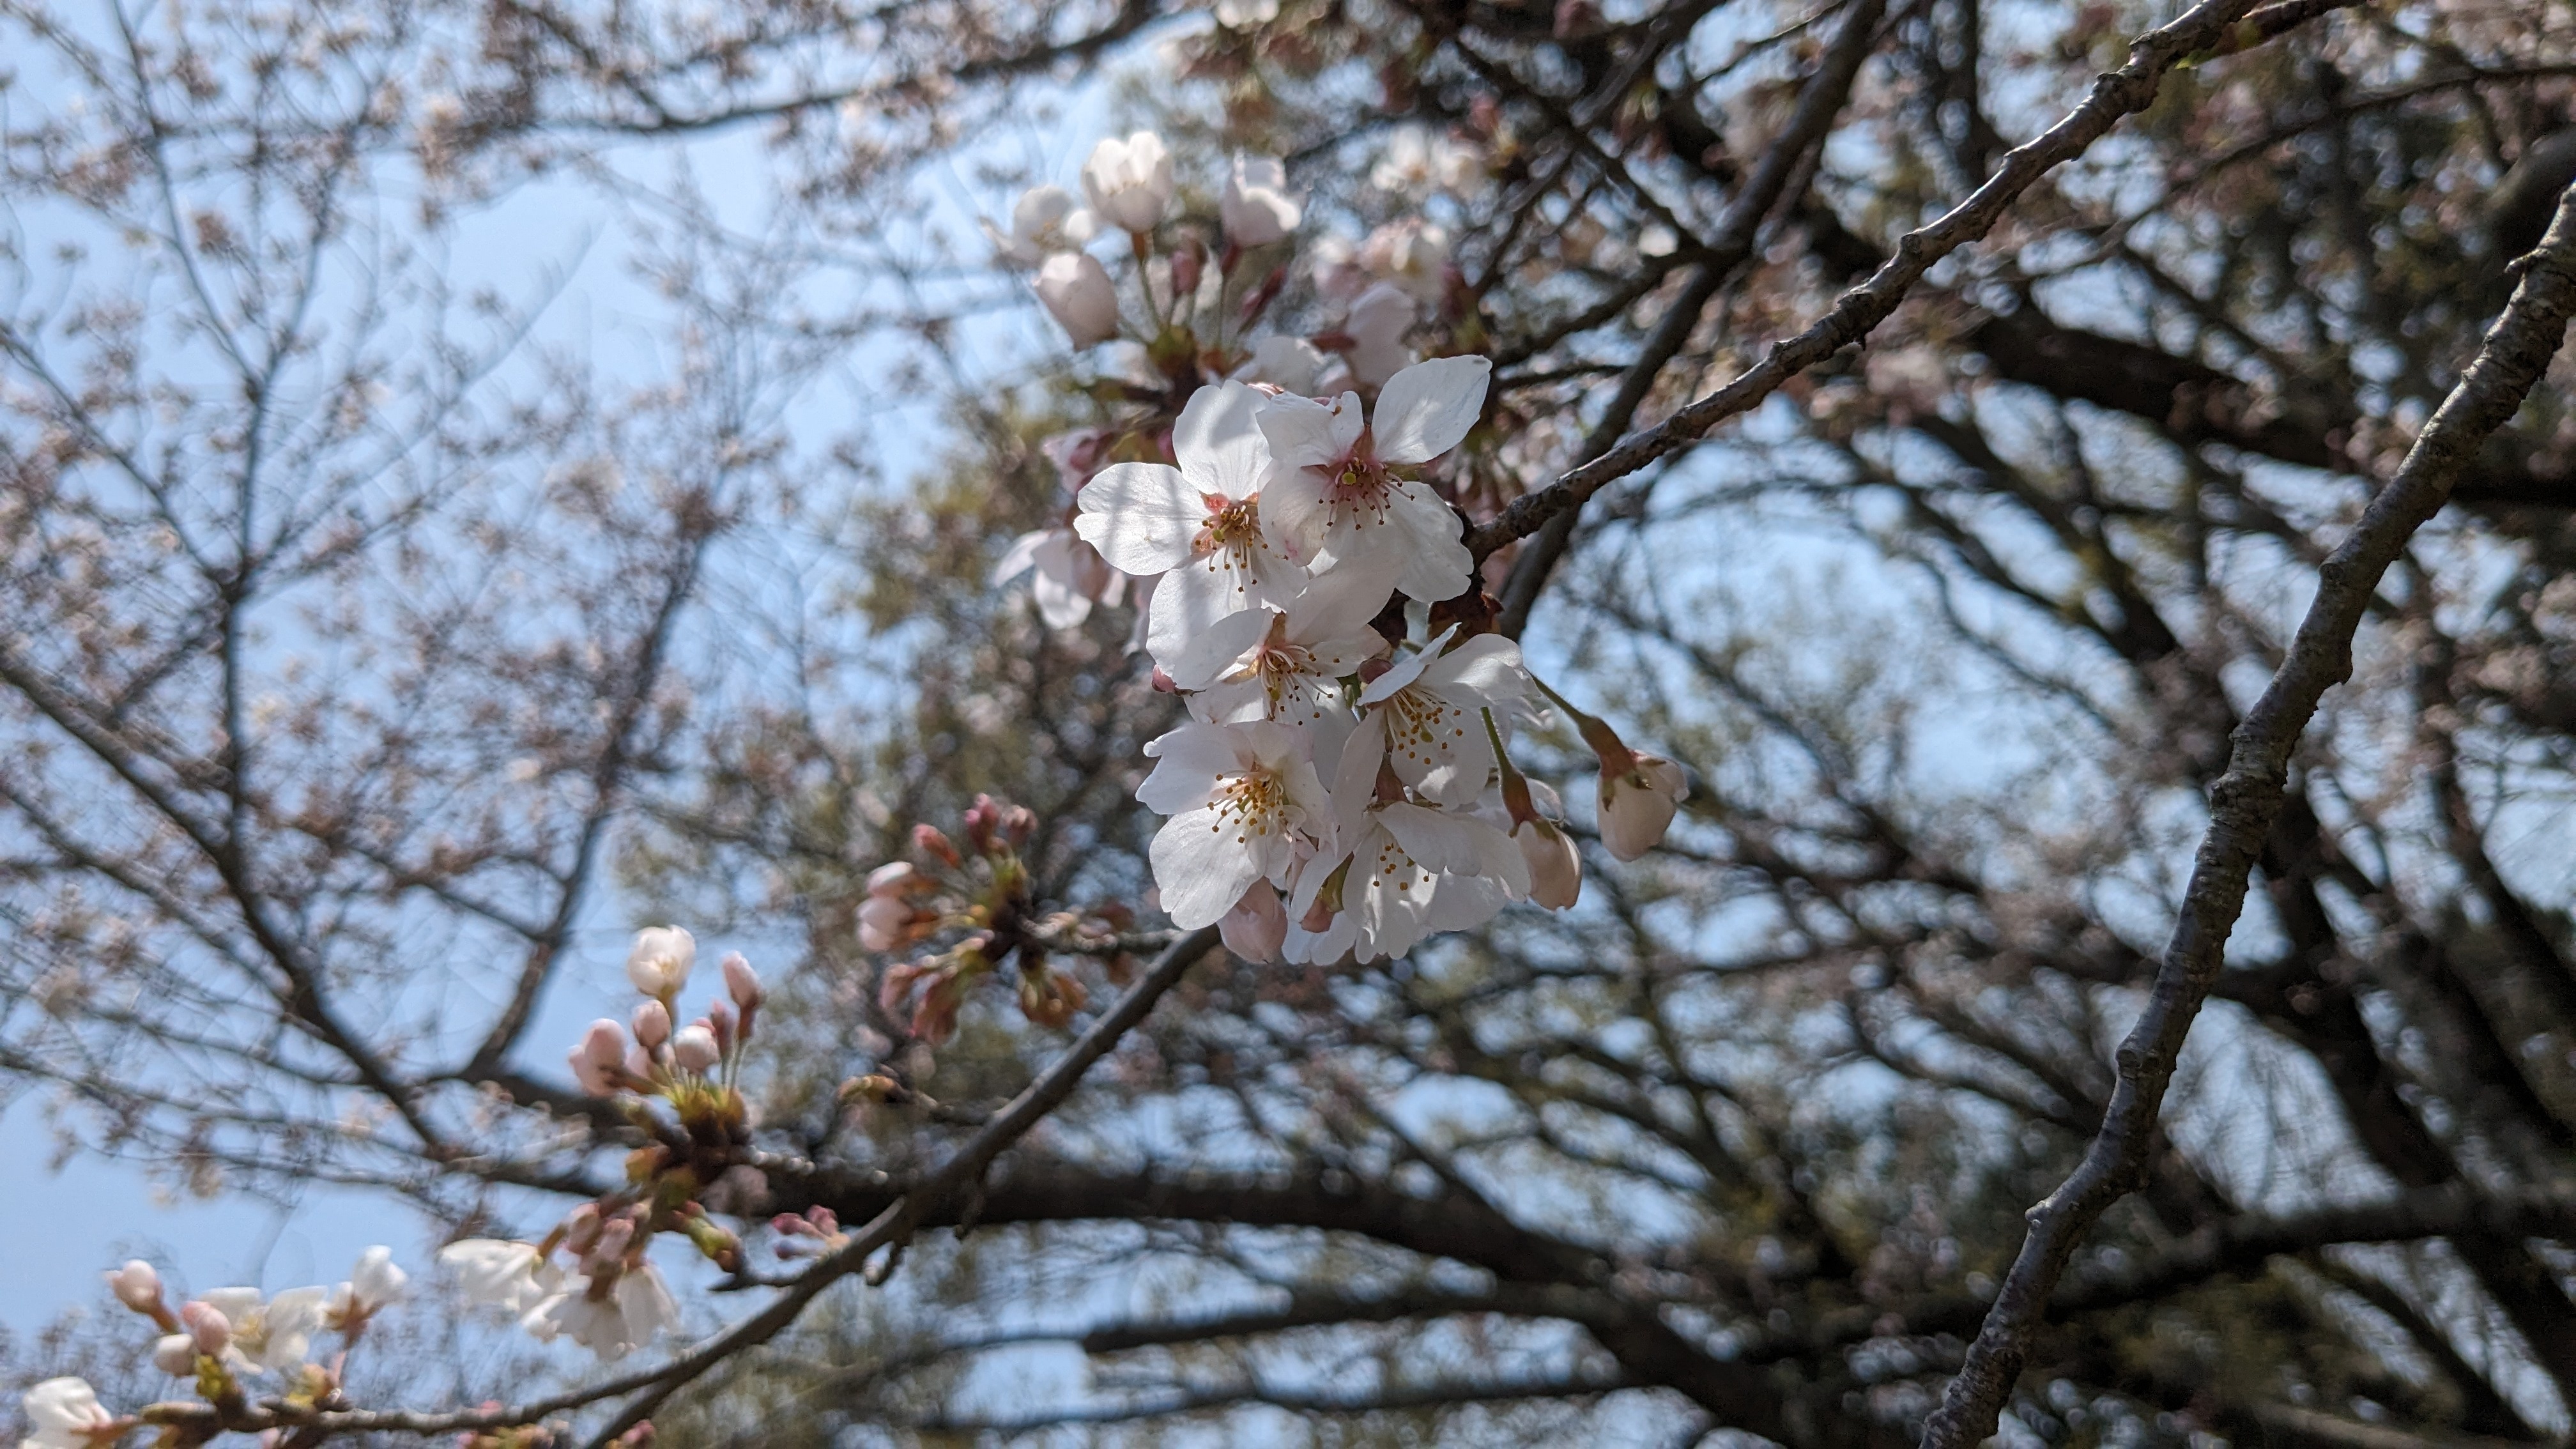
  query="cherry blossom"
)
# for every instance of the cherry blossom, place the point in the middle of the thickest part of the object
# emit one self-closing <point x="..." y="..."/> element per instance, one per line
<point x="1638" y="797"/>
<point x="1379" y="320"/>
<point x="1069" y="575"/>
<point x="1198" y="524"/>
<point x="610" y="1318"/>
<point x="1245" y="805"/>
<point x="1555" y="865"/>
<point x="660" y="961"/>
<point x="1407" y="870"/>
<point x="1290" y="364"/>
<point x="66" y="1414"/>
<point x="374" y="1283"/>
<point x="1417" y="163"/>
<point x="1334" y="499"/>
<point x="1429" y="710"/>
<point x="137" y="1285"/>
<point x="498" y="1273"/>
<point x="1256" y="208"/>
<point x="266" y="1336"/>
<point x="1130" y="182"/>
<point x="1285" y="665"/>
<point x="1077" y="292"/>
<point x="1044" y="221"/>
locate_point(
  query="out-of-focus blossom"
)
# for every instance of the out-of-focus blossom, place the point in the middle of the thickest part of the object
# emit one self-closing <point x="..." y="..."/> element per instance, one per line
<point x="1069" y="575"/>
<point x="621" y="1318"/>
<point x="1077" y="292"/>
<point x="498" y="1273"/>
<point x="1130" y="182"/>
<point x="66" y="1414"/>
<point x="660" y="961"/>
<point x="1256" y="208"/>
<point x="1045" y="220"/>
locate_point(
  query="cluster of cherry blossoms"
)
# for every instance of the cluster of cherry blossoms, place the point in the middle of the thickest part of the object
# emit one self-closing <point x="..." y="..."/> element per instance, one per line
<point x="221" y="1340"/>
<point x="679" y="1085"/>
<point x="1345" y="787"/>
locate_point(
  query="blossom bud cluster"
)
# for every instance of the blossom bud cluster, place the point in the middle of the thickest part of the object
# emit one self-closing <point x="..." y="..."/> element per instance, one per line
<point x="220" y="1337"/>
<point x="681" y="1063"/>
<point x="978" y="902"/>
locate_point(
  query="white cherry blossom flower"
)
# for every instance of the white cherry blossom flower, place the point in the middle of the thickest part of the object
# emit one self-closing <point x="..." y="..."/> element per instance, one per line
<point x="1245" y="804"/>
<point x="659" y="964"/>
<point x="623" y="1317"/>
<point x="1256" y="208"/>
<point x="1198" y="525"/>
<point x="1285" y="665"/>
<point x="1429" y="711"/>
<point x="1379" y="321"/>
<point x="66" y="1414"/>
<point x="1077" y="292"/>
<point x="269" y="1336"/>
<point x="1044" y="221"/>
<point x="374" y="1283"/>
<point x="1413" y="254"/>
<point x="1418" y="163"/>
<point x="1407" y="870"/>
<point x="1130" y="182"/>
<point x="1333" y="501"/>
<point x="498" y="1273"/>
<point x="175" y="1354"/>
<point x="1070" y="576"/>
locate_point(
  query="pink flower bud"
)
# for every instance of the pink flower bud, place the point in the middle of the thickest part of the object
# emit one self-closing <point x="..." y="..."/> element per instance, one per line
<point x="136" y="1285"/>
<point x="885" y="923"/>
<point x="742" y="983"/>
<point x="1019" y="824"/>
<point x="695" y="1047"/>
<point x="175" y="1354"/>
<point x="930" y="840"/>
<point x="595" y="1061"/>
<point x="1555" y="866"/>
<point x="1257" y="927"/>
<point x="652" y="1024"/>
<point x="207" y="1327"/>
<point x="980" y="820"/>
<point x="894" y="878"/>
<point x="720" y="1017"/>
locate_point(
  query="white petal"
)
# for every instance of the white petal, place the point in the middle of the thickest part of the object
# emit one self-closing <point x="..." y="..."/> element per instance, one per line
<point x="1202" y="659"/>
<point x="1141" y="516"/>
<point x="1437" y="565"/>
<point x="1428" y="408"/>
<point x="1220" y="447"/>
<point x="1186" y="764"/>
<point x="1201" y="867"/>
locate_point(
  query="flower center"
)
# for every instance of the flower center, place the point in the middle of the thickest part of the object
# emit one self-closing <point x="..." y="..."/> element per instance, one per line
<point x="1253" y="803"/>
<point x="1231" y="533"/>
<point x="1422" y="724"/>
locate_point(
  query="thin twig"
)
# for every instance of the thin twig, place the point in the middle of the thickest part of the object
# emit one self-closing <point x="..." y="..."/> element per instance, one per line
<point x="2243" y="805"/>
<point x="2206" y="29"/>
